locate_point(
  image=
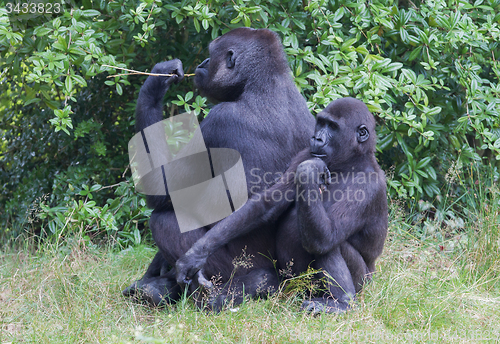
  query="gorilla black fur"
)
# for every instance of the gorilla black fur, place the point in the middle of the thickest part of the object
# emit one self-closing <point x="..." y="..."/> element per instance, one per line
<point x="261" y="114"/>
<point x="330" y="205"/>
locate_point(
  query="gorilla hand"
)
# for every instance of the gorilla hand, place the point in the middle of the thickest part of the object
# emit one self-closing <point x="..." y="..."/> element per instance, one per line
<point x="173" y="67"/>
<point x="313" y="171"/>
<point x="149" y="108"/>
<point x="189" y="267"/>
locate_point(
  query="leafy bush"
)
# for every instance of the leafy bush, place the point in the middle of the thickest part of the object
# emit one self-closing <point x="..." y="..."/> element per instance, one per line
<point x="428" y="71"/>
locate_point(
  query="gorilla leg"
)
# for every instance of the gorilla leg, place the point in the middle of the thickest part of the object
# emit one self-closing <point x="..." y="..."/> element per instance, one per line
<point x="356" y="264"/>
<point x="168" y="237"/>
<point x="159" y="285"/>
<point x="158" y="267"/>
<point x="173" y="244"/>
<point x="338" y="281"/>
<point x="257" y="283"/>
<point x="338" y="277"/>
<point x="156" y="291"/>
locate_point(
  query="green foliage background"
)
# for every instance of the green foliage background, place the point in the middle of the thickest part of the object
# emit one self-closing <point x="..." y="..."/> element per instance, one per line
<point x="428" y="71"/>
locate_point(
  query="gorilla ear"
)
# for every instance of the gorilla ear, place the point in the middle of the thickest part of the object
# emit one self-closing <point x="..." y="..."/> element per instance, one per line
<point x="230" y="59"/>
<point x="363" y="133"/>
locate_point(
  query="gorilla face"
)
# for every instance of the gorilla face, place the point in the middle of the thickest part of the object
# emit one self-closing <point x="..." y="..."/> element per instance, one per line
<point x="220" y="77"/>
<point x="324" y="141"/>
<point x="344" y="132"/>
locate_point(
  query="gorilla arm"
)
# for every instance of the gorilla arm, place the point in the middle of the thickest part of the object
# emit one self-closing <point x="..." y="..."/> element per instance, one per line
<point x="259" y="209"/>
<point x="323" y="228"/>
<point x="149" y="109"/>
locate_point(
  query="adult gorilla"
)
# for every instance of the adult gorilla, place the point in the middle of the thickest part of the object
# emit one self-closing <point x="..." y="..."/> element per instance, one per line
<point x="332" y="207"/>
<point x="261" y="114"/>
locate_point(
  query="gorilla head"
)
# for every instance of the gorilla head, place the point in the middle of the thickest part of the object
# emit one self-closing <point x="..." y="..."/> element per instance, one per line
<point x="344" y="134"/>
<point x="241" y="60"/>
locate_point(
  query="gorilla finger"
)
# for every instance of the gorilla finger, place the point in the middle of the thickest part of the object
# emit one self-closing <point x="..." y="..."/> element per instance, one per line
<point x="202" y="281"/>
<point x="327" y="176"/>
<point x="187" y="277"/>
<point x="174" y="79"/>
<point x="183" y="280"/>
<point x="177" y="71"/>
<point x="173" y="67"/>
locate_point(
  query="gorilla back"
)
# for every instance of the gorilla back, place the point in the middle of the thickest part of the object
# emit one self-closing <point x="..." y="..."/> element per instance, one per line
<point x="259" y="113"/>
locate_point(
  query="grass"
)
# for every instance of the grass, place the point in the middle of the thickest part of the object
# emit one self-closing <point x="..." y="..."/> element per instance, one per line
<point x="434" y="289"/>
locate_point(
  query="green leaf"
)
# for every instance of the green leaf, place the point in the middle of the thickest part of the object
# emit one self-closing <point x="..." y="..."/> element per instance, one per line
<point x="404" y="35"/>
<point x="424" y="162"/>
<point x="299" y="24"/>
<point x="431" y="190"/>
<point x="362" y="50"/>
<point x="56" y="23"/>
<point x="41" y="31"/>
<point x="68" y="84"/>
<point x="382" y="82"/>
<point x="415" y="53"/>
<point x="422" y="173"/>
<point x="392" y="67"/>
<point x="95" y="187"/>
<point x="247" y="21"/>
<point x="434" y="111"/>
<point x="137" y="236"/>
<point x="347" y="44"/>
<point x="90" y="13"/>
<point x="80" y="80"/>
<point x="430" y="170"/>
<point x="196" y="24"/>
<point x="410" y="75"/>
<point x="403" y="146"/>
<point x="385" y="142"/>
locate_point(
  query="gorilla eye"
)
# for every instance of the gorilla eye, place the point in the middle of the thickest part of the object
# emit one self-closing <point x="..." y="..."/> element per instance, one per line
<point x="230" y="59"/>
<point x="363" y="133"/>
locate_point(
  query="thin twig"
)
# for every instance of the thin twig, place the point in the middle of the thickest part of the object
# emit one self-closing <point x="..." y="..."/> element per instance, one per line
<point x="134" y="72"/>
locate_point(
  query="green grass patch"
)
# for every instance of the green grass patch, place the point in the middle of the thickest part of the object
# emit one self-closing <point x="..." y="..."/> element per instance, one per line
<point x="443" y="288"/>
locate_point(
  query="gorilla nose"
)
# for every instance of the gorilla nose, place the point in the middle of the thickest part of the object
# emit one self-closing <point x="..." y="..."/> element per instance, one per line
<point x="317" y="141"/>
<point x="317" y="144"/>
<point x="204" y="64"/>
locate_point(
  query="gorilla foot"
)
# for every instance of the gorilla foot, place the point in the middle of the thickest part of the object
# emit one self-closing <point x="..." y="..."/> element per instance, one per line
<point x="219" y="302"/>
<point x="319" y="305"/>
<point x="215" y="299"/>
<point x="155" y="291"/>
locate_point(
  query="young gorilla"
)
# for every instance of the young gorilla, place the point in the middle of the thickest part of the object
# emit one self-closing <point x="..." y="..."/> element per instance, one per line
<point x="331" y="205"/>
<point x="261" y="114"/>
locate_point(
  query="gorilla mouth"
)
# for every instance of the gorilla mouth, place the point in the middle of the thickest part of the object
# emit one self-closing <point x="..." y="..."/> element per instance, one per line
<point x="316" y="155"/>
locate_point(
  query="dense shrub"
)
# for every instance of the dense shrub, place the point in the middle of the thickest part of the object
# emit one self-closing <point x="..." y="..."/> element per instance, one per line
<point x="428" y="71"/>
